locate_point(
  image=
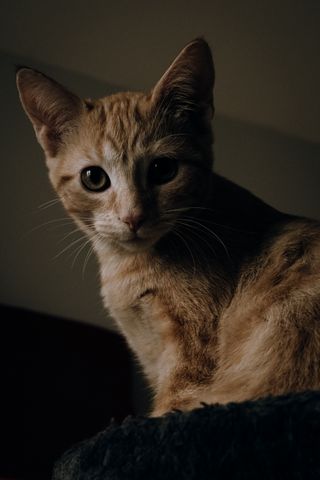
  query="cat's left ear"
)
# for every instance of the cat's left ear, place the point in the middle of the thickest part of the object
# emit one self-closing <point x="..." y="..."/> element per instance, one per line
<point x="187" y="85"/>
<point x="52" y="109"/>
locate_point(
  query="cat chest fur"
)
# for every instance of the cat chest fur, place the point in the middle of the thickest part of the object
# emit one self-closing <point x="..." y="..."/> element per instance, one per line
<point x="154" y="306"/>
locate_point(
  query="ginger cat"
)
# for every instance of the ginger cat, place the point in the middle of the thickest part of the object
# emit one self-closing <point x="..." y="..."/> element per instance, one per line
<point x="217" y="293"/>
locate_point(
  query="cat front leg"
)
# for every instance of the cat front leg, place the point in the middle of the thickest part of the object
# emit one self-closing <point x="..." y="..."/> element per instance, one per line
<point x="184" y="390"/>
<point x="172" y="404"/>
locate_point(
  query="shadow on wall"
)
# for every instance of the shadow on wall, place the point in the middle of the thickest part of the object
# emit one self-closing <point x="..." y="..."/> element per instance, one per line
<point x="38" y="268"/>
<point x="284" y="171"/>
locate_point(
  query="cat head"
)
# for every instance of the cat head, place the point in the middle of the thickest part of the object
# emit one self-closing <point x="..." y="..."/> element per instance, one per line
<point x="128" y="165"/>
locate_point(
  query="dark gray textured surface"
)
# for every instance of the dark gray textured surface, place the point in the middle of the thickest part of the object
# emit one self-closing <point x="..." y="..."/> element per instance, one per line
<point x="272" y="438"/>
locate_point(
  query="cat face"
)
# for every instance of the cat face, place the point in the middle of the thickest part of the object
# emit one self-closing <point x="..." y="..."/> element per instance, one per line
<point x="126" y="167"/>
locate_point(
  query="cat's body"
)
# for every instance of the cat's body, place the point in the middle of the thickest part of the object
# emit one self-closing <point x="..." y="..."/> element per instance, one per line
<point x="217" y="293"/>
<point x="201" y="334"/>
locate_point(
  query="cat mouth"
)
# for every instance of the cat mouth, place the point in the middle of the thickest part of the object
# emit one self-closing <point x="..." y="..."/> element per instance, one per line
<point x="138" y="241"/>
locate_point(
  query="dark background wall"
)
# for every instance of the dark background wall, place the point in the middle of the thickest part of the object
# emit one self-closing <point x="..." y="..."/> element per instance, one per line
<point x="266" y="53"/>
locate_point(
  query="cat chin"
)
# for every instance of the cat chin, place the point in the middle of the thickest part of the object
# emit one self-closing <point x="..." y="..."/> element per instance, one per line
<point x="137" y="245"/>
<point x="142" y="243"/>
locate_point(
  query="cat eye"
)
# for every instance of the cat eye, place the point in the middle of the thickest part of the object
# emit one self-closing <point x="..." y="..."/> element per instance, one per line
<point x="95" y="179"/>
<point x="162" y="170"/>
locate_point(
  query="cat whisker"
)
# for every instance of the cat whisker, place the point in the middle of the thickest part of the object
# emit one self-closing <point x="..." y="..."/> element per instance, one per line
<point x="49" y="203"/>
<point x="86" y="260"/>
<point x="194" y="231"/>
<point x="188" y="248"/>
<point x="211" y="232"/>
<point x="210" y="221"/>
<point x="179" y="235"/>
<point x="199" y="245"/>
<point x="97" y="238"/>
<point x="75" y="242"/>
<point x="73" y="232"/>
<point x="58" y="222"/>
<point x="176" y="210"/>
<point x="79" y="250"/>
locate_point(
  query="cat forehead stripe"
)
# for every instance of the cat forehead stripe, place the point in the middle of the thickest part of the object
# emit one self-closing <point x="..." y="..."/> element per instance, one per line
<point x="110" y="152"/>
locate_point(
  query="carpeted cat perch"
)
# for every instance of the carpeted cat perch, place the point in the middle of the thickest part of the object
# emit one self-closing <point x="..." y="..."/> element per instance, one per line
<point x="273" y="438"/>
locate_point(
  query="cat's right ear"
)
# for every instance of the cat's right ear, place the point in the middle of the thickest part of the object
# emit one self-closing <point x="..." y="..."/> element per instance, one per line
<point x="52" y="109"/>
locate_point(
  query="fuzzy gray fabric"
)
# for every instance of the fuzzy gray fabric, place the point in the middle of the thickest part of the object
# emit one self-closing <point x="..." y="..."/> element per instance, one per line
<point x="273" y="438"/>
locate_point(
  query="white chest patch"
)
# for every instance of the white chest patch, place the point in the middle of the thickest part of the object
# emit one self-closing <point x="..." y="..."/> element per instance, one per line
<point x="131" y="295"/>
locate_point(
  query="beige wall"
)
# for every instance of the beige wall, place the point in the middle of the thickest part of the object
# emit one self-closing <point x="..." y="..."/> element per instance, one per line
<point x="282" y="170"/>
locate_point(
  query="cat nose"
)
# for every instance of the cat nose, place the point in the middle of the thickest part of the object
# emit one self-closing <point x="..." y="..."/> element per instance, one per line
<point x="134" y="221"/>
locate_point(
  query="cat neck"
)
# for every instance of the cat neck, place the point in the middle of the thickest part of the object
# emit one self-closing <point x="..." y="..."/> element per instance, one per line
<point x="236" y="207"/>
<point x="226" y="229"/>
<point x="243" y="222"/>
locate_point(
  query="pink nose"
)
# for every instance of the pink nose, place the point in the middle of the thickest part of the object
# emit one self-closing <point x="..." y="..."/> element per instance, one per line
<point x="134" y="221"/>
